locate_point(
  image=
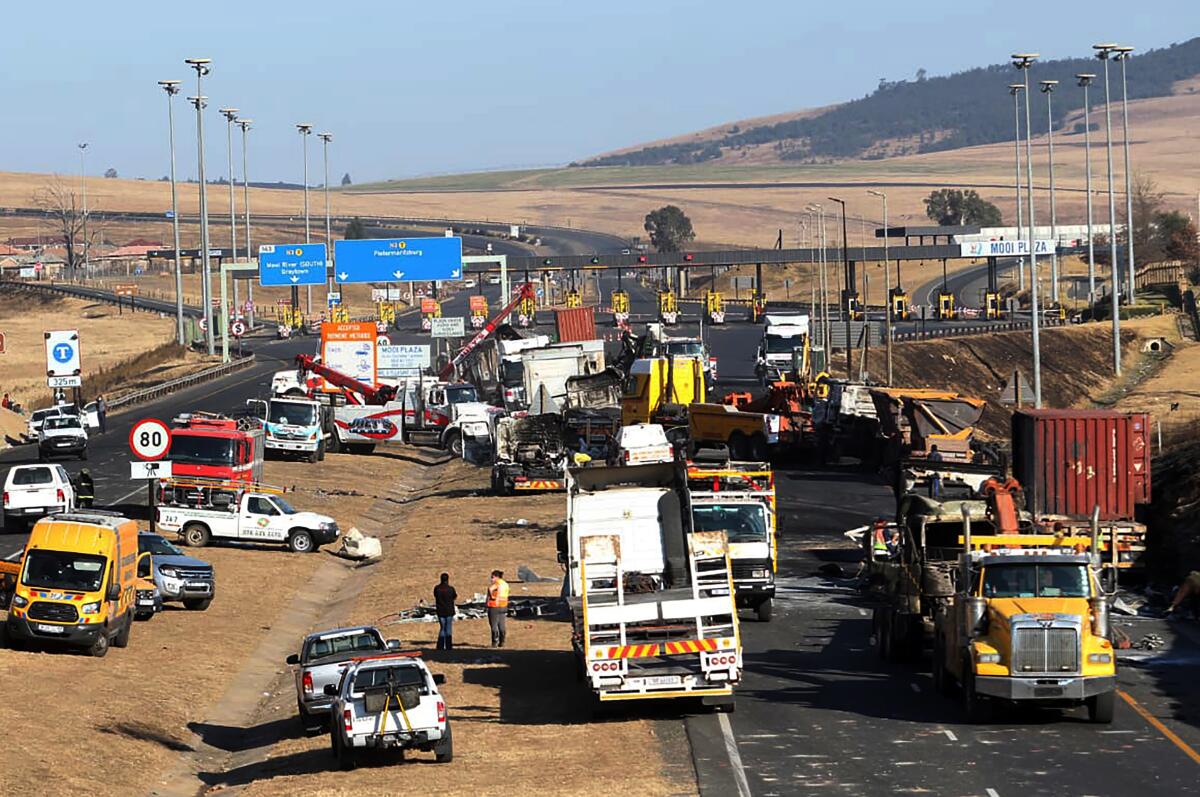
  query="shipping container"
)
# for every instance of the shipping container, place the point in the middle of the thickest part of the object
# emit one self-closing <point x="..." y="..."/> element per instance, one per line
<point x="1069" y="461"/>
<point x="575" y="324"/>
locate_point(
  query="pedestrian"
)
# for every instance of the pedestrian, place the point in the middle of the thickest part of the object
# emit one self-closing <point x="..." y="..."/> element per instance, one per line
<point x="935" y="481"/>
<point x="444" y="597"/>
<point x="1187" y="597"/>
<point x="497" y="607"/>
<point x="86" y="495"/>
<point x="6" y="402"/>
<point x="102" y="413"/>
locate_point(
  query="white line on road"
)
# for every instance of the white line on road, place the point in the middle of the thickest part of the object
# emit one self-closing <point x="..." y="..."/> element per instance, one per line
<point x="12" y="557"/>
<point x="735" y="758"/>
<point x="993" y="793"/>
<point x="915" y="687"/>
<point x="950" y="734"/>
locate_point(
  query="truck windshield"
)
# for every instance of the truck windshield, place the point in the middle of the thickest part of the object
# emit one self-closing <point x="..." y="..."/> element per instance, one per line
<point x="1027" y="580"/>
<point x="685" y="348"/>
<point x="63" y="570"/>
<point x="62" y="422"/>
<point x="292" y="413"/>
<point x="778" y="345"/>
<point x="512" y="374"/>
<point x="193" y="450"/>
<point x="459" y="394"/>
<point x="741" y="523"/>
<point x="283" y="505"/>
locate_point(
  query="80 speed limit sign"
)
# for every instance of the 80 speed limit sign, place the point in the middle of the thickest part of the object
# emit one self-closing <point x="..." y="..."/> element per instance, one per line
<point x="149" y="439"/>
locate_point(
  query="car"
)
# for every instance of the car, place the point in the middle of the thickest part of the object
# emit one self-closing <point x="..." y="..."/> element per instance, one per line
<point x="468" y="283"/>
<point x="389" y="702"/>
<point x="34" y="425"/>
<point x="322" y="658"/>
<point x="493" y="279"/>
<point x="625" y="251"/>
<point x="62" y="435"/>
<point x="642" y="443"/>
<point x="179" y="577"/>
<point x="32" y="491"/>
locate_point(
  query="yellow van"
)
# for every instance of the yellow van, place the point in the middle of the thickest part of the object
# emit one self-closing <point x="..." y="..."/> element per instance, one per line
<point x="77" y="582"/>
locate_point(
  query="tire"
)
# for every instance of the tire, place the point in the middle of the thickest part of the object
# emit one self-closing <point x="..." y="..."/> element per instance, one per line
<point x="335" y="445"/>
<point x="321" y="451"/>
<point x="313" y="456"/>
<point x="196" y="604"/>
<point x="977" y="707"/>
<point x="1101" y="707"/>
<point x="443" y="751"/>
<point x="454" y="444"/>
<point x="310" y="723"/>
<point x="99" y="648"/>
<point x="344" y="755"/>
<point x="121" y="640"/>
<point x="759" y="450"/>
<point x="83" y="455"/>
<point x="301" y="541"/>
<point x="196" y="535"/>
<point x="941" y="678"/>
<point x="764" y="609"/>
<point x="738" y="448"/>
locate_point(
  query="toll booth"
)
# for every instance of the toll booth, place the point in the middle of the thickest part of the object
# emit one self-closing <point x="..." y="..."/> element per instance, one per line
<point x="946" y="311"/>
<point x="339" y="314"/>
<point x="527" y="312"/>
<point x="668" y="307"/>
<point x="386" y="312"/>
<point x="479" y="311"/>
<point x="899" y="300"/>
<point x="853" y="305"/>
<point x="430" y="309"/>
<point x="714" y="307"/>
<point x="574" y="299"/>
<point x="992" y="308"/>
<point x="620" y="307"/>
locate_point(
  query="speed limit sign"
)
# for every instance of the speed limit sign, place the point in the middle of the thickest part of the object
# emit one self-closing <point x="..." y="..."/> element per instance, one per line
<point x="237" y="328"/>
<point x="149" y="439"/>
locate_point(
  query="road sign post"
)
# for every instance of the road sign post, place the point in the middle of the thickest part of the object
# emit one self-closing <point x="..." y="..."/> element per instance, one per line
<point x="398" y="260"/>
<point x="226" y="268"/>
<point x="63" y="362"/>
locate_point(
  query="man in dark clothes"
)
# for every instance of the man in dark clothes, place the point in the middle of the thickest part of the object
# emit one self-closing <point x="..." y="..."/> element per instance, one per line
<point x="444" y="597"/>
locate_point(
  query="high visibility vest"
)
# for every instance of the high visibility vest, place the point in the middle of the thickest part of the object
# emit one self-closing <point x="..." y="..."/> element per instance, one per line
<point x="879" y="544"/>
<point x="498" y="595"/>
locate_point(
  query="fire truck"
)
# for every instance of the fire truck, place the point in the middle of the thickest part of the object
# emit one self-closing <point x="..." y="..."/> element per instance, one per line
<point x="209" y="446"/>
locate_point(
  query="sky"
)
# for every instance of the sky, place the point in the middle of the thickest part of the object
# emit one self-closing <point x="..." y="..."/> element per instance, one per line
<point x="413" y="88"/>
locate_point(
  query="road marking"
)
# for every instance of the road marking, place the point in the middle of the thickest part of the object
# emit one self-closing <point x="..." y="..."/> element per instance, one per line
<point x="950" y="734"/>
<point x="915" y="688"/>
<point x="735" y="758"/>
<point x="1163" y="729"/>
<point x="12" y="557"/>
<point x="992" y="793"/>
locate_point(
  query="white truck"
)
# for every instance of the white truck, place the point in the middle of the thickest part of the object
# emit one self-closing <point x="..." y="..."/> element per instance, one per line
<point x="389" y="702"/>
<point x="652" y="600"/>
<point x="33" y="491"/>
<point x="641" y="443"/>
<point x="322" y="659"/>
<point x="783" y="335"/>
<point x="294" y="425"/>
<point x="550" y="368"/>
<point x="227" y="511"/>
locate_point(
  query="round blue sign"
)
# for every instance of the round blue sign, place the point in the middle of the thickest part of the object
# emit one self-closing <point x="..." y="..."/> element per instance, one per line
<point x="63" y="352"/>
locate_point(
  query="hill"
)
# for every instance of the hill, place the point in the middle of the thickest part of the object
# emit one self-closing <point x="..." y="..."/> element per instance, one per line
<point x="928" y="114"/>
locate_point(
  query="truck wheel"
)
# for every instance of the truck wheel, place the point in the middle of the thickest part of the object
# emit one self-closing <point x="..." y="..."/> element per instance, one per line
<point x="759" y="451"/>
<point x="321" y="451"/>
<point x="121" y="640"/>
<point x="344" y="755"/>
<point x="196" y="535"/>
<point x="196" y="604"/>
<point x="309" y="722"/>
<point x="99" y="648"/>
<point x="443" y="751"/>
<point x="977" y="707"/>
<point x="300" y="541"/>
<point x="454" y="444"/>
<point x="763" y="610"/>
<point x="737" y="446"/>
<point x="1100" y="708"/>
<point x="83" y="454"/>
<point x="941" y="679"/>
<point x="335" y="445"/>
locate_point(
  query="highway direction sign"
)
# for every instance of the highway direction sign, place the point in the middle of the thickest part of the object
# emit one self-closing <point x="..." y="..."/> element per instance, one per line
<point x="450" y="327"/>
<point x="291" y="264"/>
<point x="62" y="358"/>
<point x="149" y="439"/>
<point x="398" y="260"/>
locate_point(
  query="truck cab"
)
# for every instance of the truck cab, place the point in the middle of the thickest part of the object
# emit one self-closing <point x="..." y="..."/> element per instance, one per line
<point x="293" y="425"/>
<point x="658" y="389"/>
<point x="783" y="336"/>
<point x="216" y="447"/>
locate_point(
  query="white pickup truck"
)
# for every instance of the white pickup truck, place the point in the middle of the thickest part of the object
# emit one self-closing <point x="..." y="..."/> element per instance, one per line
<point x="388" y="702"/>
<point x="32" y="491"/>
<point x="322" y="659"/>
<point x="247" y="517"/>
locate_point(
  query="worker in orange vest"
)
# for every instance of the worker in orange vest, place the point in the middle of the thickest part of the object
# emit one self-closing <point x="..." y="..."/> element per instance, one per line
<point x="497" y="607"/>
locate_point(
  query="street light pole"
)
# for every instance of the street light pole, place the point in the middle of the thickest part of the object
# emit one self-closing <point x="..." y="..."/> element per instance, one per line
<point x="1103" y="51"/>
<point x="887" y="278"/>
<point x="325" y="139"/>
<point x="171" y="87"/>
<point x="1015" y="90"/>
<point x="1048" y="90"/>
<point x="245" y="125"/>
<point x="1085" y="80"/>
<point x="201" y="65"/>
<point x="230" y="115"/>
<point x="1123" y="55"/>
<point x="848" y="278"/>
<point x="1023" y="61"/>
<point x="305" y="131"/>
<point x="83" y="200"/>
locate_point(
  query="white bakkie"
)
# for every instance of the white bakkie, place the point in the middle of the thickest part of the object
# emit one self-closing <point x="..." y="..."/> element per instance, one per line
<point x="252" y="517"/>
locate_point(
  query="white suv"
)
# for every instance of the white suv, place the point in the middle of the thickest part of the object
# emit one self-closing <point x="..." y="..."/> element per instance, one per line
<point x="32" y="491"/>
<point x="388" y="702"/>
<point x="62" y="435"/>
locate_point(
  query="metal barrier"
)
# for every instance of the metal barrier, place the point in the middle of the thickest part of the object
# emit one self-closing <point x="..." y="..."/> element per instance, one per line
<point x="935" y="329"/>
<point x="157" y="391"/>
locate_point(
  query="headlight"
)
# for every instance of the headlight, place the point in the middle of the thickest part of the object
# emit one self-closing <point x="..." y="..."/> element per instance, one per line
<point x="328" y="526"/>
<point x="20" y="600"/>
<point x="1099" y="658"/>
<point x="170" y="572"/>
<point x="90" y="608"/>
<point x="988" y="658"/>
<point x="761" y="573"/>
<point x="312" y="436"/>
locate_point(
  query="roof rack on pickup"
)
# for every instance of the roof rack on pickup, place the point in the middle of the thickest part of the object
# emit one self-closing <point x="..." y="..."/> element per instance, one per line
<point x="398" y="654"/>
<point x="202" y="483"/>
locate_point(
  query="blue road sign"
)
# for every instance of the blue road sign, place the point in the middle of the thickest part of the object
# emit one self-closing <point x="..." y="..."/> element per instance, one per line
<point x="398" y="260"/>
<point x="291" y="264"/>
<point x="64" y="352"/>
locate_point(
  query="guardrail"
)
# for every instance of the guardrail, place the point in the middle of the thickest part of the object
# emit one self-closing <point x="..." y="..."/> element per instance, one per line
<point x="958" y="331"/>
<point x="173" y="385"/>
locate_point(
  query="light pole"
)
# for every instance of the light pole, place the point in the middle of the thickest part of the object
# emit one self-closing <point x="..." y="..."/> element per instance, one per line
<point x="1103" y="51"/>
<point x="1085" y="80"/>
<point x="325" y="139"/>
<point x="848" y="276"/>
<point x="1122" y="55"/>
<point x="1015" y="90"/>
<point x="1048" y="89"/>
<point x="171" y="87"/>
<point x="245" y="125"/>
<point x="1023" y="61"/>
<point x="230" y="115"/>
<point x="201" y="65"/>
<point x="825" y="327"/>
<point x="83" y="192"/>
<point x="887" y="278"/>
<point x="305" y="131"/>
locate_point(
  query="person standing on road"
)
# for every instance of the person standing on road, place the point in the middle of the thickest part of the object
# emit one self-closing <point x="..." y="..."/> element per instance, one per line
<point x="86" y="495"/>
<point x="444" y="597"/>
<point x="935" y="482"/>
<point x="102" y="413"/>
<point x="497" y="607"/>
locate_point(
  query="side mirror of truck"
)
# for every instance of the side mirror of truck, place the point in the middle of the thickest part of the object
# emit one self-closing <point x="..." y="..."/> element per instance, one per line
<point x="114" y="592"/>
<point x="331" y="690"/>
<point x="439" y="678"/>
<point x="293" y="659"/>
<point x="144" y="565"/>
<point x="393" y="644"/>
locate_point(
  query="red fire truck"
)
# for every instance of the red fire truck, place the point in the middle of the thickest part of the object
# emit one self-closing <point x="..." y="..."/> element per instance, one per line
<point x="215" y="447"/>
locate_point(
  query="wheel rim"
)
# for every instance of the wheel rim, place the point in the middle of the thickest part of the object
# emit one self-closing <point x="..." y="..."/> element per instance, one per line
<point x="301" y="542"/>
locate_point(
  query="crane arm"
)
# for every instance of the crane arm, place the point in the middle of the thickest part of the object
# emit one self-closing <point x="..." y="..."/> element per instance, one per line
<point x="370" y="393"/>
<point x="524" y="292"/>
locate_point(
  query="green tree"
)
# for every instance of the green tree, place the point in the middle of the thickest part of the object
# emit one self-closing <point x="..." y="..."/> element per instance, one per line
<point x="669" y="228"/>
<point x="1147" y="205"/>
<point x="1177" y="237"/>
<point x="355" y="229"/>
<point x="953" y="207"/>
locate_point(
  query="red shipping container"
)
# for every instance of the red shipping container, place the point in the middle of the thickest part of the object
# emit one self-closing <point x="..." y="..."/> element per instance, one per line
<point x="1069" y="461"/>
<point x="575" y="324"/>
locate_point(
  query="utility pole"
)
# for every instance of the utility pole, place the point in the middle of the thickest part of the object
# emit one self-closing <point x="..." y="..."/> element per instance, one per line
<point x="230" y="115"/>
<point x="1123" y="54"/>
<point x="887" y="277"/>
<point x="305" y="131"/>
<point x="1103" y="51"/>
<point x="87" y="267"/>
<point x="1085" y="80"/>
<point x="848" y="276"/>
<point x="1015" y="90"/>
<point x="1048" y="90"/>
<point x="171" y="87"/>
<point x="201" y="65"/>
<point x="1023" y="61"/>
<point x="325" y="139"/>
<point x="245" y="125"/>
